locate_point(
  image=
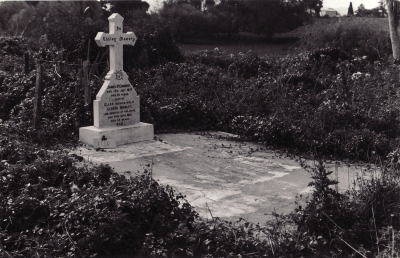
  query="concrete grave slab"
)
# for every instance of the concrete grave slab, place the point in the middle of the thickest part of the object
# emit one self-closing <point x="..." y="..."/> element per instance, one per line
<point x="232" y="178"/>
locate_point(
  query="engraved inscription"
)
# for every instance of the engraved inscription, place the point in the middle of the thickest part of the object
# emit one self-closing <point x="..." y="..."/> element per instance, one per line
<point x="119" y="110"/>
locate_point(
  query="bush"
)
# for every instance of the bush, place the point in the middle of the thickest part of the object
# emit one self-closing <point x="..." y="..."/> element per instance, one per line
<point x="62" y="109"/>
<point x="53" y="204"/>
<point x="188" y="23"/>
<point x="325" y="100"/>
<point x="360" y="219"/>
<point x="354" y="36"/>
<point x="155" y="45"/>
<point x="322" y="101"/>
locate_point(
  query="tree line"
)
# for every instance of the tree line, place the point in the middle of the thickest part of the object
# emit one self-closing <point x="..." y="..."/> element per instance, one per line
<point x="188" y="19"/>
<point x="231" y="17"/>
<point x="361" y="11"/>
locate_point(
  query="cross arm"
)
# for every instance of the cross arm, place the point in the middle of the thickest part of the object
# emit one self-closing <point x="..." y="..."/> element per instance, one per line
<point x="128" y="38"/>
<point x="104" y="39"/>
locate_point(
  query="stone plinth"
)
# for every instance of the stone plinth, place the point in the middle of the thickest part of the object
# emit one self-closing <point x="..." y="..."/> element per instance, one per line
<point x="122" y="134"/>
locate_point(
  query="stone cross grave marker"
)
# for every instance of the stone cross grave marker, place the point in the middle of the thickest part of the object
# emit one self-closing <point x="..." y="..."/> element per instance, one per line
<point x="116" y="109"/>
<point x="117" y="102"/>
<point x="116" y="40"/>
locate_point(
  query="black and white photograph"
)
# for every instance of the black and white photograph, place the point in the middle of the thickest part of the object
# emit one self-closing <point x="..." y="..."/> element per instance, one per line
<point x="200" y="128"/>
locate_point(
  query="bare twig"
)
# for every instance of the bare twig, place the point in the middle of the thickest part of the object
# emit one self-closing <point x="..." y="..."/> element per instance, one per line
<point x="94" y="65"/>
<point x="251" y="253"/>
<point x="88" y="49"/>
<point x="377" y="238"/>
<point x="2" y="247"/>
<point x="151" y="170"/>
<point x="219" y="102"/>
<point x="208" y="208"/>
<point x="352" y="248"/>
<point x="272" y="247"/>
<point x="70" y="238"/>
<point x="55" y="70"/>
<point x="333" y="221"/>
<point x="392" y="242"/>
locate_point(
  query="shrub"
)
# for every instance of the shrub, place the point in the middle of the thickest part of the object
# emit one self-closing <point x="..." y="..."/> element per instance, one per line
<point x="339" y="224"/>
<point x="188" y="23"/>
<point x="355" y="36"/>
<point x="155" y="45"/>
<point x="62" y="109"/>
<point x="53" y="204"/>
<point x="325" y="100"/>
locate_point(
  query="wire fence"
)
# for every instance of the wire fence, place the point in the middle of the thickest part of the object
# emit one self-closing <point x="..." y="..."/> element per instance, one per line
<point x="83" y="69"/>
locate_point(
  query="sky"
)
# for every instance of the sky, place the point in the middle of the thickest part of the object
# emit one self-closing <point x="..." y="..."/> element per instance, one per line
<point x="369" y="4"/>
<point x="342" y="5"/>
<point x="335" y="4"/>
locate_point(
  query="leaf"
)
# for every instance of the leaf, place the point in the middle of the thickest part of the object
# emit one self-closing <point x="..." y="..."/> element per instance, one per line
<point x="41" y="220"/>
<point x="184" y="230"/>
<point x="191" y="240"/>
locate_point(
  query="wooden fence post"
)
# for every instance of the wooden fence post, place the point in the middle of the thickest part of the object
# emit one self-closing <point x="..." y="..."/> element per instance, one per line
<point x="38" y="96"/>
<point x="26" y="63"/>
<point x="59" y="67"/>
<point x="80" y="65"/>
<point x="86" y="86"/>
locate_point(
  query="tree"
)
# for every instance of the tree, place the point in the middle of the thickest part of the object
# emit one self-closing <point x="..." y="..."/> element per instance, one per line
<point x="316" y="5"/>
<point x="124" y="7"/>
<point x="234" y="16"/>
<point x="376" y="12"/>
<point x="8" y="18"/>
<point x="361" y="11"/>
<point x="382" y="8"/>
<point x="393" y="17"/>
<point x="350" y="11"/>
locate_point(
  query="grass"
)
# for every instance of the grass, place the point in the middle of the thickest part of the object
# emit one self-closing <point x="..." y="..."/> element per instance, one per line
<point x="317" y="24"/>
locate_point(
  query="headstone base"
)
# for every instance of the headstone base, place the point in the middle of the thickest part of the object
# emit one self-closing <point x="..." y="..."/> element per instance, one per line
<point x="122" y="135"/>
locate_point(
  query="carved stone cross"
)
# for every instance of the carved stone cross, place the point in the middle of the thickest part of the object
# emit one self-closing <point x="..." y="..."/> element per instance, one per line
<point x="116" y="109"/>
<point x="116" y="40"/>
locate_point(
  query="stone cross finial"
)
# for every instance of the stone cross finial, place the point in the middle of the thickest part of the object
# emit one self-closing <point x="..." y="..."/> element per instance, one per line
<point x="116" y="40"/>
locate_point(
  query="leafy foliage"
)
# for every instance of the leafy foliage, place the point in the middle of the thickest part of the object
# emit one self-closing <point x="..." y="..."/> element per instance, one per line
<point x="364" y="218"/>
<point x="353" y="35"/>
<point x="56" y="205"/>
<point x="324" y="101"/>
<point x="267" y="18"/>
<point x="330" y="101"/>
